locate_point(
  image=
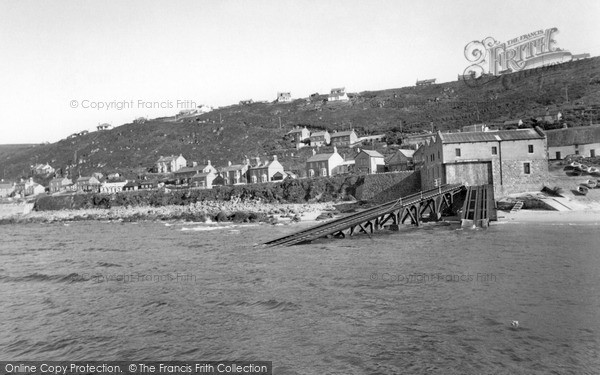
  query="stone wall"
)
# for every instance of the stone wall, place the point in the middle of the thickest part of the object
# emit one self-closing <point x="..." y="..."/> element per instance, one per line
<point x="385" y="187"/>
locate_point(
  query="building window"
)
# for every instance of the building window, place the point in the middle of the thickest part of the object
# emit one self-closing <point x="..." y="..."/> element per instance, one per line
<point x="494" y="150"/>
<point x="530" y="149"/>
<point x="457" y="151"/>
<point x="592" y="153"/>
<point x="311" y="173"/>
<point x="324" y="172"/>
<point x="527" y="168"/>
<point x="576" y="151"/>
<point x="558" y="155"/>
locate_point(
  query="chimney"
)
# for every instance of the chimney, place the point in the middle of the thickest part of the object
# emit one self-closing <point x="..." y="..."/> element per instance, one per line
<point x="257" y="159"/>
<point x="208" y="162"/>
<point x="314" y="151"/>
<point x="247" y="161"/>
<point x="274" y="157"/>
<point x="334" y="150"/>
<point x="358" y="150"/>
<point x="194" y="164"/>
<point x="229" y="163"/>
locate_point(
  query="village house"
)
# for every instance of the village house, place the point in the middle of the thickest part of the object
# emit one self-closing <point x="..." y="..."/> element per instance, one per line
<point x="417" y="139"/>
<point x="583" y="140"/>
<point x="513" y="123"/>
<point x="549" y="117"/>
<point x="368" y="162"/>
<point x="168" y="164"/>
<point x="88" y="184"/>
<point x="28" y="188"/>
<point x="426" y="82"/>
<point x="511" y="160"/>
<point x="148" y="184"/>
<point x="112" y="187"/>
<point x="104" y="127"/>
<point x="6" y="189"/>
<point x="318" y="139"/>
<point x="326" y="164"/>
<point x="284" y="97"/>
<point x="402" y="160"/>
<point x="131" y="186"/>
<point x="299" y="135"/>
<point x="60" y="184"/>
<point x="265" y="172"/>
<point x="42" y="169"/>
<point x="203" y="180"/>
<point x="185" y="174"/>
<point x="338" y="94"/>
<point x="344" y="138"/>
<point x="234" y="174"/>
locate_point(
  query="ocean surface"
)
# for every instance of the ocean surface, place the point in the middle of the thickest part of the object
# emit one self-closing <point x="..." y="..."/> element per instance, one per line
<point x="434" y="299"/>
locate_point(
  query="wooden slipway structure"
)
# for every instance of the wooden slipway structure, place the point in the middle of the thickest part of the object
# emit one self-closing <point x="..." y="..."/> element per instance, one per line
<point x="479" y="207"/>
<point x="391" y="214"/>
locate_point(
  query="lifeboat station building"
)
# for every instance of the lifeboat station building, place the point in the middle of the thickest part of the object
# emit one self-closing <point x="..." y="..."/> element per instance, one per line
<point x="511" y="160"/>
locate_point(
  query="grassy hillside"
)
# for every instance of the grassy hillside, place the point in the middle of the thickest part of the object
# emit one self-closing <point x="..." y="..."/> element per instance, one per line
<point x="238" y="131"/>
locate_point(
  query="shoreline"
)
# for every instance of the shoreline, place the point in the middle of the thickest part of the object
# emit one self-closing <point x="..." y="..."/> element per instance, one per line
<point x="209" y="211"/>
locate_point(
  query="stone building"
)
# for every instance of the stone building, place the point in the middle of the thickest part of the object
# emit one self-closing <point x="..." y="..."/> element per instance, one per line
<point x="168" y="164"/>
<point x="511" y="160"/>
<point x="584" y="141"/>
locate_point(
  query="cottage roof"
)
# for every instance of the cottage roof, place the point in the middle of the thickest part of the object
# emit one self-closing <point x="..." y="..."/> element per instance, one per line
<point x="234" y="167"/>
<point x="338" y="90"/>
<point x="319" y="134"/>
<point x="320" y="157"/>
<point x="167" y="158"/>
<point x="490" y="136"/>
<point x="202" y="175"/>
<point x="189" y="169"/>
<point x="298" y="130"/>
<point x="372" y="153"/>
<point x="342" y="133"/>
<point x="400" y="156"/>
<point x="573" y="136"/>
<point x="131" y="184"/>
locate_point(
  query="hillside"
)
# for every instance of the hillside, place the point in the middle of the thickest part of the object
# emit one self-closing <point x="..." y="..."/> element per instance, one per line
<point x="238" y="131"/>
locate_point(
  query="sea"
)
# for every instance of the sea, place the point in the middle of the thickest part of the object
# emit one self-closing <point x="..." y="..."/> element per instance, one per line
<point x="435" y="299"/>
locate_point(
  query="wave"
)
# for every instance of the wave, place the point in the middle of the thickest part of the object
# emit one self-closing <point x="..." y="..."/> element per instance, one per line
<point x="40" y="277"/>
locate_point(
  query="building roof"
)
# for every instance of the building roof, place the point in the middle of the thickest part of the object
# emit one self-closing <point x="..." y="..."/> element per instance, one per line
<point x="320" y="157"/>
<point x="234" y="167"/>
<point x="202" y="175"/>
<point x="131" y="184"/>
<point x="372" y="153"/>
<point x="490" y="136"/>
<point x="342" y="134"/>
<point x="6" y="186"/>
<point x="189" y="169"/>
<point x="168" y="158"/>
<point x="319" y="134"/>
<point x="299" y="130"/>
<point x="87" y="179"/>
<point x="400" y="156"/>
<point x="573" y="136"/>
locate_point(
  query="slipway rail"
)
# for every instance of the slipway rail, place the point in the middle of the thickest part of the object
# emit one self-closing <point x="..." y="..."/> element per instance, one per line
<point x="391" y="214"/>
<point x="479" y="207"/>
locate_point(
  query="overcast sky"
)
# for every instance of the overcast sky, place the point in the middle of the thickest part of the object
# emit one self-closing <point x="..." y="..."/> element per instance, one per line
<point x="220" y="52"/>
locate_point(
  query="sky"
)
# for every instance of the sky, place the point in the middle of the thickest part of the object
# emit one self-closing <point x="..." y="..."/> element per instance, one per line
<point x="67" y="66"/>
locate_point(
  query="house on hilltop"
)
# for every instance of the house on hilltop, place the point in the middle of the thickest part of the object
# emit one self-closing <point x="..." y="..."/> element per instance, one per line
<point x="338" y="94"/>
<point x="426" y="82"/>
<point x="326" y="164"/>
<point x="168" y="164"/>
<point x="511" y="160"/>
<point x="104" y="127"/>
<point x="284" y="97"/>
<point x="583" y="140"/>
<point x="42" y="169"/>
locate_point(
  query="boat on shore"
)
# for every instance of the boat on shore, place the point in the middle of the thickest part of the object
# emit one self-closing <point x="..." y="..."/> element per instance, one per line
<point x="591" y="184"/>
<point x="583" y="190"/>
